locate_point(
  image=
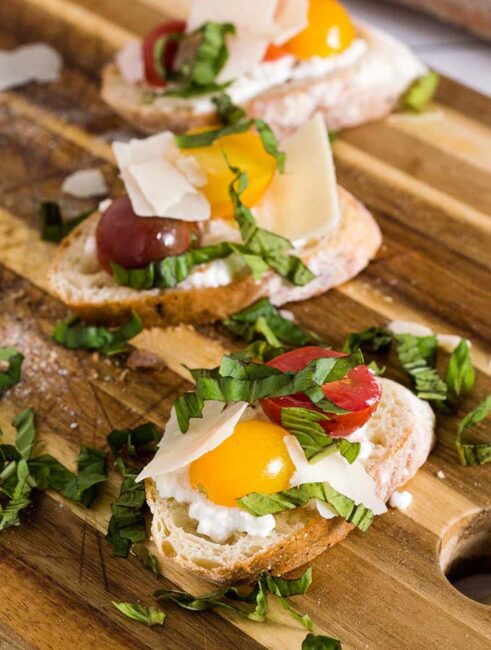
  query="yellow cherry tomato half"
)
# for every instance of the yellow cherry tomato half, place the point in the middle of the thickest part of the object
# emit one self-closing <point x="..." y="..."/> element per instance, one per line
<point x="243" y="150"/>
<point x="253" y="459"/>
<point x="329" y="31"/>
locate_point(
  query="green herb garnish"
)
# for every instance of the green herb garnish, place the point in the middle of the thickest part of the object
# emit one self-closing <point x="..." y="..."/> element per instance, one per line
<point x="71" y="334"/>
<point x="376" y="338"/>
<point x="474" y="453"/>
<point x="239" y="380"/>
<point x="421" y="92"/>
<point x="82" y="487"/>
<point x="296" y="497"/>
<point x="52" y="225"/>
<point x="10" y="376"/>
<point x="417" y="355"/>
<point x="264" y="321"/>
<point x="281" y="588"/>
<point x="320" y="642"/>
<point x="227" y="111"/>
<point x="460" y="377"/>
<point x="146" y="615"/>
<point x="127" y="523"/>
<point x="304" y="425"/>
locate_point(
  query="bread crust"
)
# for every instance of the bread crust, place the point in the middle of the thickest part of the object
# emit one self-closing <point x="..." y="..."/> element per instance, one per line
<point x="337" y="260"/>
<point x="366" y="90"/>
<point x="408" y="441"/>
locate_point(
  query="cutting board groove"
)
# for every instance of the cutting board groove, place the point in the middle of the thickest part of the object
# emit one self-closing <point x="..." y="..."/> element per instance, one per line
<point x="428" y="182"/>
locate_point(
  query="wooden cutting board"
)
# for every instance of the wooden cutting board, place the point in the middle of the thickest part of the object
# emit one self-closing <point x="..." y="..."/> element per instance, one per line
<point x="427" y="180"/>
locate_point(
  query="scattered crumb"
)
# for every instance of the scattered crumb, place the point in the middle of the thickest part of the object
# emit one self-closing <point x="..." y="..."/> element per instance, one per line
<point x="124" y="374"/>
<point x="440" y="474"/>
<point x="95" y="357"/>
<point x="401" y="500"/>
<point x="74" y="425"/>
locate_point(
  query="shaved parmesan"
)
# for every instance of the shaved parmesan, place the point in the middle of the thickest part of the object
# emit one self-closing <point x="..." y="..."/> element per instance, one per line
<point x="291" y="17"/>
<point x="34" y="62"/>
<point x="351" y="480"/>
<point x="302" y="204"/>
<point x="160" y="182"/>
<point x="130" y="62"/>
<point x="85" y="184"/>
<point x="178" y="449"/>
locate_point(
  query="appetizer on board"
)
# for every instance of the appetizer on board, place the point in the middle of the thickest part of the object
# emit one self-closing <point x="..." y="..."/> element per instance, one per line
<point x="282" y="60"/>
<point x="262" y="474"/>
<point x="212" y="221"/>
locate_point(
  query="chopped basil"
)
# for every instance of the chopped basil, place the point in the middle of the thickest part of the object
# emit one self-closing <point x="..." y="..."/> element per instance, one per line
<point x="421" y="92"/>
<point x="171" y="271"/>
<point x="71" y="334"/>
<point x="237" y="380"/>
<point x="281" y="588"/>
<point x="51" y="224"/>
<point x="82" y="487"/>
<point x="197" y="75"/>
<point x="460" y="375"/>
<point x="417" y="357"/>
<point x="259" y="351"/>
<point x="474" y="453"/>
<point x="207" y="138"/>
<point x="263" y="321"/>
<point x="377" y="338"/>
<point x="146" y="615"/>
<point x="304" y="425"/>
<point x="127" y="523"/>
<point x="320" y="642"/>
<point x="269" y="247"/>
<point x="226" y="109"/>
<point x="16" y="481"/>
<point x="11" y="375"/>
<point x="264" y="504"/>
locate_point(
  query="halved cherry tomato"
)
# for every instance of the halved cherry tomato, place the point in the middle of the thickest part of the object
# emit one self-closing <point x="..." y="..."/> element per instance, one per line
<point x="359" y="392"/>
<point x="168" y="56"/>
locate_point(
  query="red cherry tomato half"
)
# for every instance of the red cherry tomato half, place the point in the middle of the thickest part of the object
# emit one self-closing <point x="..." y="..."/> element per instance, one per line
<point x="152" y="75"/>
<point x="359" y="392"/>
<point x="134" y="242"/>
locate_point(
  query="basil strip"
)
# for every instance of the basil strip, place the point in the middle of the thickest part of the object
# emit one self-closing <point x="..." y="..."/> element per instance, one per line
<point x="51" y="224"/>
<point x="11" y="375"/>
<point x="315" y="442"/>
<point x="237" y="380"/>
<point x="207" y="138"/>
<point x="146" y="615"/>
<point x="82" y="487"/>
<point x="198" y="74"/>
<point x="421" y="92"/>
<point x="70" y="334"/>
<point x="281" y="588"/>
<point x="127" y="523"/>
<point x="377" y="338"/>
<point x="227" y="111"/>
<point x="417" y="357"/>
<point x="16" y="481"/>
<point x="171" y="271"/>
<point x="320" y="642"/>
<point x="264" y="504"/>
<point x="474" y="453"/>
<point x="460" y="375"/>
<point x="264" y="321"/>
<point x="268" y="246"/>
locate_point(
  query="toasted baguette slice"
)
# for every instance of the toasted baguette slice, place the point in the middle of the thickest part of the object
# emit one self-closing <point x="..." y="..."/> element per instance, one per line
<point x="401" y="432"/>
<point x="77" y="279"/>
<point x="364" y="91"/>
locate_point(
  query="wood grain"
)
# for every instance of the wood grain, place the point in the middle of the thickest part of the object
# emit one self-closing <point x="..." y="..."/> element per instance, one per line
<point x="428" y="181"/>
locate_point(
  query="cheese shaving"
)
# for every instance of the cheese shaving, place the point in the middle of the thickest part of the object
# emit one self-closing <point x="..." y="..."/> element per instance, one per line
<point x="85" y="184"/>
<point x="34" y="62"/>
<point x="160" y="182"/>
